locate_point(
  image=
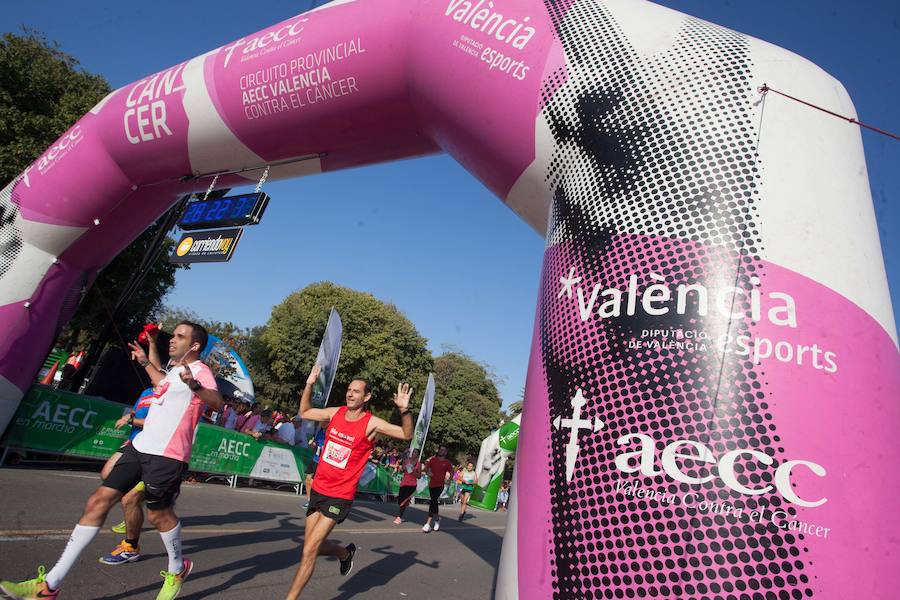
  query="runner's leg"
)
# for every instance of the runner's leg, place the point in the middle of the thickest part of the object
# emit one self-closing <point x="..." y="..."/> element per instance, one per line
<point x="109" y="464"/>
<point x="134" y="515"/>
<point x="317" y="529"/>
<point x="95" y="511"/>
<point x="405" y="498"/>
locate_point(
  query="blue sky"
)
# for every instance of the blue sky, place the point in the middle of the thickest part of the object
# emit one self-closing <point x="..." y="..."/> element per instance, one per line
<point x="423" y="234"/>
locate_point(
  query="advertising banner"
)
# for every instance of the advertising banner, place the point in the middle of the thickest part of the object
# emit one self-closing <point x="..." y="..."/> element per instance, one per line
<point x="393" y="486"/>
<point x="495" y="450"/>
<point x="228" y="365"/>
<point x="328" y="357"/>
<point x="206" y="246"/>
<point x="219" y="450"/>
<point x="420" y="433"/>
<point x="49" y="420"/>
<point x="57" y="422"/>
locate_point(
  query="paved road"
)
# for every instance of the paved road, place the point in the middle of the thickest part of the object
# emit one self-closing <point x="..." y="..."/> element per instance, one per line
<point x="245" y="544"/>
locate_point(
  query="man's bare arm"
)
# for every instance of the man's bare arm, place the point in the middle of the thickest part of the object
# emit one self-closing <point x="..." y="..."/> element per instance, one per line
<point x="306" y="409"/>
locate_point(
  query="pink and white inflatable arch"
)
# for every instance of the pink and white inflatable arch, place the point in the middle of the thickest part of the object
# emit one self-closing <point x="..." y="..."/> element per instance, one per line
<point x="712" y="401"/>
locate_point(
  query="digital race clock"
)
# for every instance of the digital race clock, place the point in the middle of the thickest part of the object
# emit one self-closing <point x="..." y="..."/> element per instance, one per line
<point x="230" y="211"/>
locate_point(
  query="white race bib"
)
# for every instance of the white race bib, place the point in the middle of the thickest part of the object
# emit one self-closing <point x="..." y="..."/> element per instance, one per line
<point x="336" y="454"/>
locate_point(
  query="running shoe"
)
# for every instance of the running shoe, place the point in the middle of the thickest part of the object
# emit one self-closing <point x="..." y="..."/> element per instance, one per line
<point x="426" y="527"/>
<point x="33" y="589"/>
<point x="140" y="487"/>
<point x="437" y="524"/>
<point x="461" y="517"/>
<point x="120" y="528"/>
<point x="347" y="563"/>
<point x="121" y="554"/>
<point x="397" y="520"/>
<point x="172" y="581"/>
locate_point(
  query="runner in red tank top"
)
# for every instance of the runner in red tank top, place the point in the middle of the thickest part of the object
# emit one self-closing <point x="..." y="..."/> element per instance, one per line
<point x="349" y="437"/>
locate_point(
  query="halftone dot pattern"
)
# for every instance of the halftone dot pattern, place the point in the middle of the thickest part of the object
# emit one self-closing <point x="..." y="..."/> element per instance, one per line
<point x="10" y="236"/>
<point x="654" y="177"/>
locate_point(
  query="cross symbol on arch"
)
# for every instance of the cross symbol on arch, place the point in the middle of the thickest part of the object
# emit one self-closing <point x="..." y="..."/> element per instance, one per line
<point x="575" y="424"/>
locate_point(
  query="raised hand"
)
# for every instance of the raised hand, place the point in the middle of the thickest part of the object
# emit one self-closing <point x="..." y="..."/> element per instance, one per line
<point x="137" y="353"/>
<point x="188" y="378"/>
<point x="401" y="398"/>
<point x="314" y="374"/>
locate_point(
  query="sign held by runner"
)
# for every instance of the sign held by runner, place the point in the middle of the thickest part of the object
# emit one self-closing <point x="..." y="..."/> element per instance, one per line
<point x="420" y="433"/>
<point x="328" y="357"/>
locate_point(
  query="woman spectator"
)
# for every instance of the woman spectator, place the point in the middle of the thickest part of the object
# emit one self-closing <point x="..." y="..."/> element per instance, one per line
<point x="457" y="482"/>
<point x="246" y="412"/>
<point x="393" y="460"/>
<point x="262" y="428"/>
<point x="412" y="470"/>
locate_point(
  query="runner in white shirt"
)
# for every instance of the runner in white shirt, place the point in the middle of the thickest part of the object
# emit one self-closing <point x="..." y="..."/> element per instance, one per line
<point x="158" y="456"/>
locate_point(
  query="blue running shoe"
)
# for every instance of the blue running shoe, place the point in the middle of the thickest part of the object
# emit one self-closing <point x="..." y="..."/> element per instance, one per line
<point x="121" y="554"/>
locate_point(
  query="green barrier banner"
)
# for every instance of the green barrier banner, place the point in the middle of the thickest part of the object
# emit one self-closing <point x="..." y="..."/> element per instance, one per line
<point x="57" y="422"/>
<point x="219" y="450"/>
<point x="393" y="486"/>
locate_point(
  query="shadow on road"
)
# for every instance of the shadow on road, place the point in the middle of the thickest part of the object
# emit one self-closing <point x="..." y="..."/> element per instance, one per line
<point x="381" y="572"/>
<point x="239" y="516"/>
<point x="484" y="543"/>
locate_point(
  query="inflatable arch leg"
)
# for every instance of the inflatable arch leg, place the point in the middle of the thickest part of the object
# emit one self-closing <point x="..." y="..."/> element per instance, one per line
<point x="711" y="401"/>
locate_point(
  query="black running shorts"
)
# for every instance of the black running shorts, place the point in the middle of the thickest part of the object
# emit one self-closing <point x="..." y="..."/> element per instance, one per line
<point x="336" y="509"/>
<point x="161" y="476"/>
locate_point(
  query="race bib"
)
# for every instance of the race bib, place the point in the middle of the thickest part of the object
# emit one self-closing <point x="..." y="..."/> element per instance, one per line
<point x="336" y="454"/>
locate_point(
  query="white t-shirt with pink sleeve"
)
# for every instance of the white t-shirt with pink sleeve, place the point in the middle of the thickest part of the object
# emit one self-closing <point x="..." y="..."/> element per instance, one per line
<point x="174" y="413"/>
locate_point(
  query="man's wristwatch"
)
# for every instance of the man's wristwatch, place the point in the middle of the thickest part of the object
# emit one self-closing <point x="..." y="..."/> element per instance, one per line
<point x="403" y="413"/>
<point x="144" y="363"/>
<point x="131" y="419"/>
<point x="195" y="386"/>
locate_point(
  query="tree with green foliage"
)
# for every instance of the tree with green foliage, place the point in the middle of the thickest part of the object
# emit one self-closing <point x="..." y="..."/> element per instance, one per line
<point x="466" y="406"/>
<point x="513" y="409"/>
<point x="43" y="92"/>
<point x="380" y="344"/>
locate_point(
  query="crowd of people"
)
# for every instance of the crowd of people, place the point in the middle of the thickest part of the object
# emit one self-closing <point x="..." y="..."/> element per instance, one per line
<point x="240" y="413"/>
<point x="147" y="470"/>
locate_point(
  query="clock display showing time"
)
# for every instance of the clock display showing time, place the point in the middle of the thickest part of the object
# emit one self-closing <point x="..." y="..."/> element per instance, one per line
<point x="230" y="211"/>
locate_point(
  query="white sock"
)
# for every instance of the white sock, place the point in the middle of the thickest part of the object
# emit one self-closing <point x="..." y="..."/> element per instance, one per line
<point x="81" y="536"/>
<point x="172" y="540"/>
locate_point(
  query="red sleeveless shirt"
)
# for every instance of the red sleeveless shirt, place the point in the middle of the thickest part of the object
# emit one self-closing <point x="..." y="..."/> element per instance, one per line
<point x="344" y="456"/>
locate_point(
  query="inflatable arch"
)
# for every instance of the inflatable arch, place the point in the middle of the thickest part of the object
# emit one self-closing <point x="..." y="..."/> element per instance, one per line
<point x="711" y="405"/>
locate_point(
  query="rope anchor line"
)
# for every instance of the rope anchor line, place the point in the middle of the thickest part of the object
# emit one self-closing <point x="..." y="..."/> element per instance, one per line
<point x="764" y="89"/>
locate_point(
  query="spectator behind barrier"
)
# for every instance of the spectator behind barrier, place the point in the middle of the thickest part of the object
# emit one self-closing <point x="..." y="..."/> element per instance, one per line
<point x="288" y="432"/>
